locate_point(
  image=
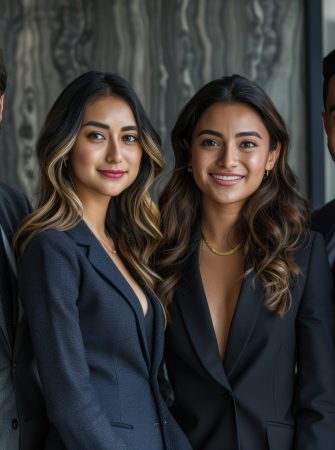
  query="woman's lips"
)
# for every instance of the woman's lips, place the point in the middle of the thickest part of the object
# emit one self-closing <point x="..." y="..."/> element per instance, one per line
<point x="112" y="173"/>
<point x="225" y="179"/>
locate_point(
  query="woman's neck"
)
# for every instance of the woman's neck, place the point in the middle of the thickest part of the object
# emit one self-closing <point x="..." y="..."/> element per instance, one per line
<point x="218" y="225"/>
<point x="94" y="214"/>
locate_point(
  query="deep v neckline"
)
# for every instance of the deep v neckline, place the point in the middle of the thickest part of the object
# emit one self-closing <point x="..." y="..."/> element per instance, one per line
<point x="206" y="307"/>
<point x="192" y="303"/>
<point x="97" y="241"/>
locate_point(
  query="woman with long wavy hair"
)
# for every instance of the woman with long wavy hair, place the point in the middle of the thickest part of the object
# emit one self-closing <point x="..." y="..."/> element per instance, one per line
<point x="85" y="279"/>
<point x="250" y="344"/>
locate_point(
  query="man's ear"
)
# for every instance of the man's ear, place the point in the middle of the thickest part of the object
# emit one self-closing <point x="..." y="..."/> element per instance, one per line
<point x="2" y="97"/>
<point x="325" y="121"/>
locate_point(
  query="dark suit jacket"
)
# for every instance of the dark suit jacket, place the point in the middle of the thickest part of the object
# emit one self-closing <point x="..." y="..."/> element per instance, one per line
<point x="275" y="388"/>
<point x="323" y="220"/>
<point x="87" y="325"/>
<point x="23" y="418"/>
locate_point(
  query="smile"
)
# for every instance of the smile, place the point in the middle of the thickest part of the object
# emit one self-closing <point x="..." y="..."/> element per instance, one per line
<point x="112" y="173"/>
<point x="227" y="177"/>
<point x="226" y="180"/>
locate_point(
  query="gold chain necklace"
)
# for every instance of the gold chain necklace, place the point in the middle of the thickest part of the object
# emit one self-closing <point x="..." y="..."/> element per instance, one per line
<point x="216" y="252"/>
<point x="107" y="247"/>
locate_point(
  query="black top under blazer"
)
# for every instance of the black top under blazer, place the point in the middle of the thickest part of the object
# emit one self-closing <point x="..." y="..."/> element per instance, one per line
<point x="275" y="388"/>
<point x="87" y="326"/>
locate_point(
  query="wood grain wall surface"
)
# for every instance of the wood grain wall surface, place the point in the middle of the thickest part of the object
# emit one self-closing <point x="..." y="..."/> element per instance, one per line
<point x="165" y="48"/>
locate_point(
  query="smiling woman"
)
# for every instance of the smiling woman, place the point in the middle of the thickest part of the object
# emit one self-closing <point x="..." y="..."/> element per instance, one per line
<point x="250" y="345"/>
<point x="230" y="146"/>
<point x="85" y="279"/>
<point x="107" y="153"/>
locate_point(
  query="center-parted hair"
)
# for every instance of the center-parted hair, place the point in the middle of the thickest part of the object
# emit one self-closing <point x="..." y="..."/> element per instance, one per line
<point x="272" y="220"/>
<point x="132" y="218"/>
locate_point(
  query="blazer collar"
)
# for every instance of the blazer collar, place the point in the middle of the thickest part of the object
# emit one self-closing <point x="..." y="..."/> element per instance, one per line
<point x="248" y="307"/>
<point x="98" y="257"/>
<point x="193" y="305"/>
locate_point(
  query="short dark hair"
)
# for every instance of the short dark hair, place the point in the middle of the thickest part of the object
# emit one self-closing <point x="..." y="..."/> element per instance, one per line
<point x="3" y="73"/>
<point x="328" y="70"/>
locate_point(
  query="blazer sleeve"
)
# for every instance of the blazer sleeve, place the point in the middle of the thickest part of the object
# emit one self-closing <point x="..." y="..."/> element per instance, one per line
<point x="315" y="393"/>
<point x="49" y="280"/>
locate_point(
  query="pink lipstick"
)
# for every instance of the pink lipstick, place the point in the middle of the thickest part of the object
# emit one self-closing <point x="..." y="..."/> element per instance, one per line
<point x="112" y="173"/>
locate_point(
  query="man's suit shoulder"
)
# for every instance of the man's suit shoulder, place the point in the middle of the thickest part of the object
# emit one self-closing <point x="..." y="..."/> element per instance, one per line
<point x="14" y="206"/>
<point x="323" y="219"/>
<point x="13" y="197"/>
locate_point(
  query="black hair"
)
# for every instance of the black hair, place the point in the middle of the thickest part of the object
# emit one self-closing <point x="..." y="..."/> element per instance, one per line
<point x="3" y="74"/>
<point x="328" y="70"/>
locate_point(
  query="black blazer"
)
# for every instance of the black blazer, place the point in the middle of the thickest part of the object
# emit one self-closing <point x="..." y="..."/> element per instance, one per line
<point x="87" y="325"/>
<point x="323" y="220"/>
<point x="24" y="422"/>
<point x="275" y="388"/>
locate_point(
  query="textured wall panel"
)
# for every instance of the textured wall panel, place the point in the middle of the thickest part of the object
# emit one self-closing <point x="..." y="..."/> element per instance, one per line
<point x="166" y="48"/>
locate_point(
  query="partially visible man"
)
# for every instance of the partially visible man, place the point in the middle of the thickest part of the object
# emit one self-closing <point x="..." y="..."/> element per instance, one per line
<point x="22" y="412"/>
<point x="323" y="220"/>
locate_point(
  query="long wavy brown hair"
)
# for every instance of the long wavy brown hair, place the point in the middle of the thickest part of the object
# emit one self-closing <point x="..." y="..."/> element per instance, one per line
<point x="271" y="223"/>
<point x="132" y="218"/>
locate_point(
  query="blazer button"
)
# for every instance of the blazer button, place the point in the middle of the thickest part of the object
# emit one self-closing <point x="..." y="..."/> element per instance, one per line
<point x="15" y="424"/>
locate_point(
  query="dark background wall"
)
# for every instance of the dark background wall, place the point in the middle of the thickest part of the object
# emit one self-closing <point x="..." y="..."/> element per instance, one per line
<point x="166" y="49"/>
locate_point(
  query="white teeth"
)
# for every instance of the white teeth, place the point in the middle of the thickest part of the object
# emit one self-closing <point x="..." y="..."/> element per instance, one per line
<point x="227" y="177"/>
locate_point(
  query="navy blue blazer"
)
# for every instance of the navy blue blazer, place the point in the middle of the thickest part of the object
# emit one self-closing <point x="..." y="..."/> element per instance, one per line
<point x="275" y="388"/>
<point x="87" y="326"/>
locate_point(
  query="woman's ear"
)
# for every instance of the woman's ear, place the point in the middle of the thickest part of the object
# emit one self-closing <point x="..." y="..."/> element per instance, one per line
<point x="272" y="157"/>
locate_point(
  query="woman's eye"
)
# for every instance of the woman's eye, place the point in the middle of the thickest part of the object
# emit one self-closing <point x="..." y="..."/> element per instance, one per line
<point x="247" y="145"/>
<point x="209" y="143"/>
<point x="130" y="138"/>
<point x="96" y="136"/>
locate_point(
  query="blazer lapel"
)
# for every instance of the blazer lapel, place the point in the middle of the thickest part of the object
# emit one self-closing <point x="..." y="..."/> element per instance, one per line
<point x="108" y="270"/>
<point x="6" y="288"/>
<point x="3" y="329"/>
<point x="20" y="327"/>
<point x="193" y="306"/>
<point x="247" y="310"/>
